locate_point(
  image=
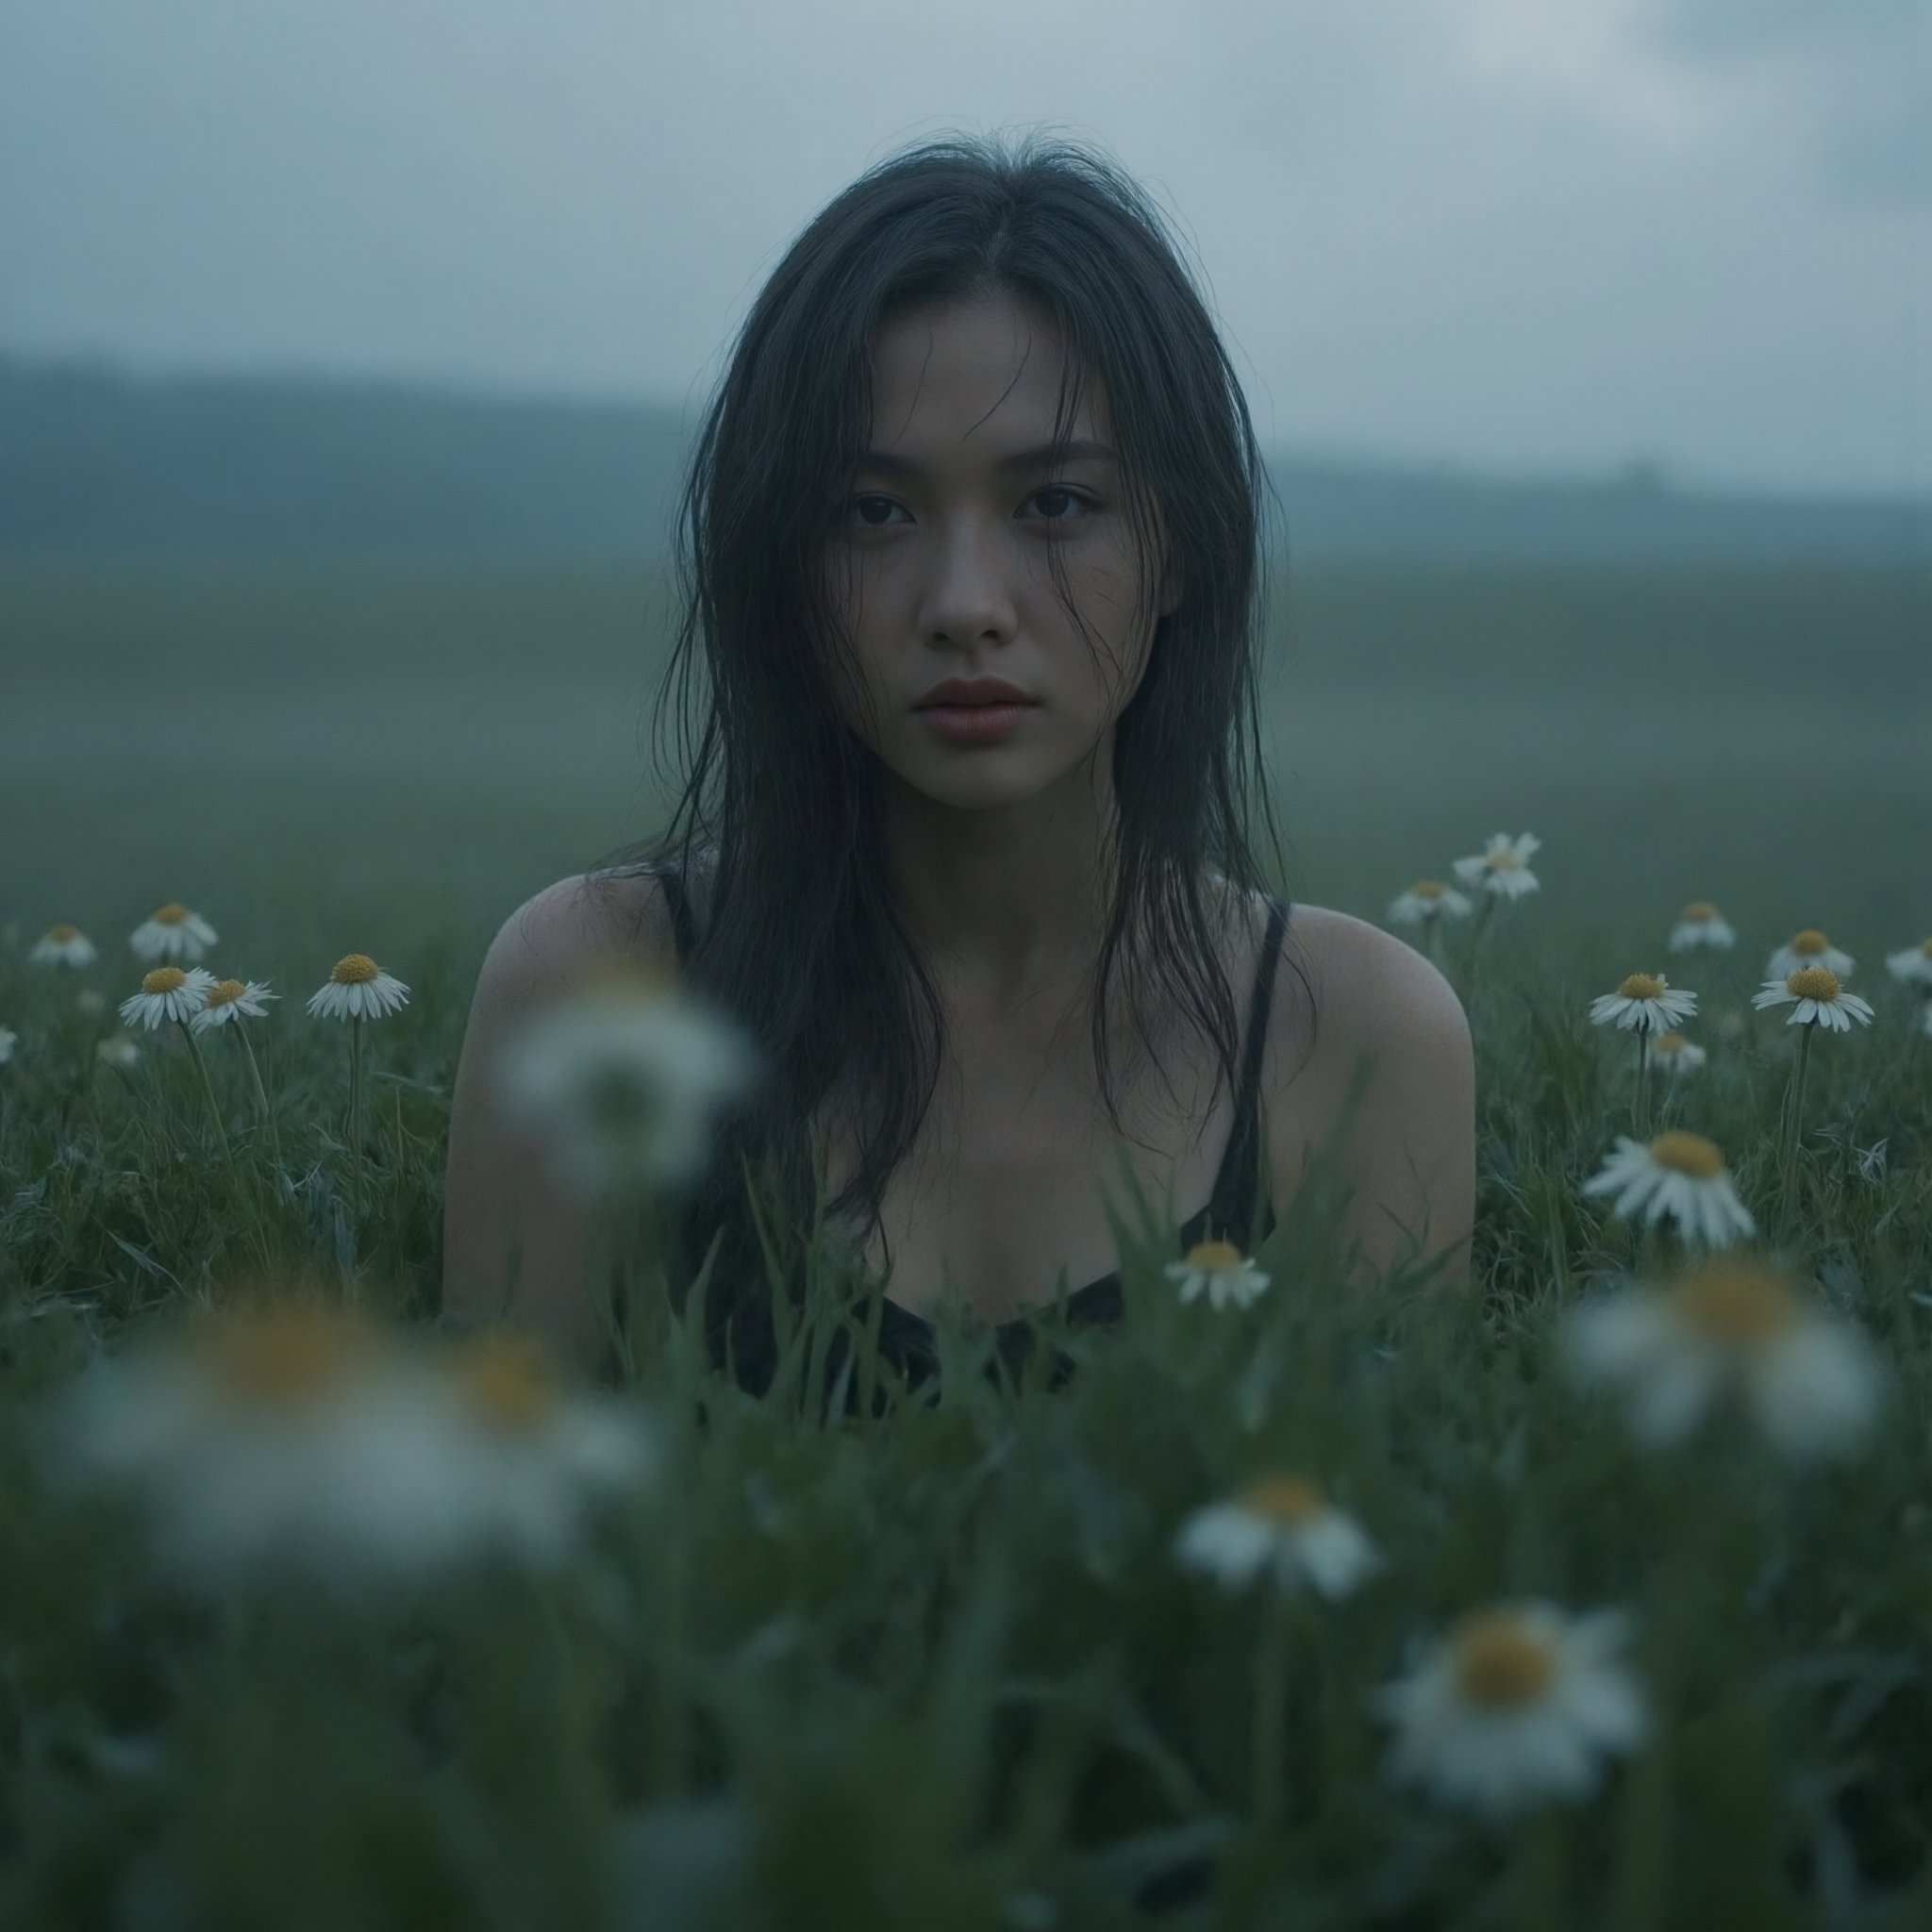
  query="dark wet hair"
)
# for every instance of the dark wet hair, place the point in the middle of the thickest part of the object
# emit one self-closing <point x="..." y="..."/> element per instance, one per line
<point x="780" y="825"/>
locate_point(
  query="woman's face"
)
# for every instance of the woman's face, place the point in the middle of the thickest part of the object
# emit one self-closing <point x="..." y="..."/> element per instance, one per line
<point x="939" y="568"/>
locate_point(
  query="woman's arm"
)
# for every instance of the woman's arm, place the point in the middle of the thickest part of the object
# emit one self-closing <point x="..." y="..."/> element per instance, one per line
<point x="1389" y="1018"/>
<point x="501" y="1204"/>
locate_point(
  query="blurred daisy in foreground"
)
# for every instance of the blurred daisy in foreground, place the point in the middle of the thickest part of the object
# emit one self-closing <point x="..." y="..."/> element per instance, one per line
<point x="1503" y="869"/>
<point x="167" y="993"/>
<point x="1427" y="901"/>
<point x="296" y="1438"/>
<point x="1679" y="1175"/>
<point x="1643" y="1003"/>
<point x="1517" y="1703"/>
<point x="358" y="988"/>
<point x="1676" y="1054"/>
<point x="623" y="1076"/>
<point x="1807" y="948"/>
<point x="1700" y="924"/>
<point x="118" y="1050"/>
<point x="8" y="1041"/>
<point x="1221" y="1271"/>
<point x="1729" y="1330"/>
<point x="63" y="945"/>
<point x="229" y="1000"/>
<point x="1913" y="965"/>
<point x="1282" y="1526"/>
<point x="1816" y="998"/>
<point x="171" y="932"/>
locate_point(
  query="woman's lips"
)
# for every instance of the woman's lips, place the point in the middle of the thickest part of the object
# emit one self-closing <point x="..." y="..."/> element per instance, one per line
<point x="975" y="723"/>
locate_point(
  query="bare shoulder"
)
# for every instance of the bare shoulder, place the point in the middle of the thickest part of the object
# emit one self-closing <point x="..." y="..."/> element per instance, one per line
<point x="1369" y="989"/>
<point x="558" y="931"/>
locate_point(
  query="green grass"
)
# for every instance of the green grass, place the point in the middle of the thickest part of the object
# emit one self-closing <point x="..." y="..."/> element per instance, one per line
<point x="938" y="1667"/>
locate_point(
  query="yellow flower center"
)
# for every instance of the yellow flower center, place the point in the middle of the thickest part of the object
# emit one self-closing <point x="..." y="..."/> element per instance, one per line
<point x="1926" y="948"/>
<point x="1208" y="1257"/>
<point x="1288" y="1500"/>
<point x="1668" y="1042"/>
<point x="275" y="1356"/>
<point x="1427" y="889"/>
<point x="1641" y="986"/>
<point x="1505" y="861"/>
<point x="1700" y="912"/>
<point x="173" y="913"/>
<point x="355" y="969"/>
<point x="1735" y="1302"/>
<point x="1500" y="1663"/>
<point x="1808" y="942"/>
<point x="1690" y="1154"/>
<point x="61" y="934"/>
<point x="1814" y="983"/>
<point x="224" y="992"/>
<point x="164" y="979"/>
<point x="506" y="1381"/>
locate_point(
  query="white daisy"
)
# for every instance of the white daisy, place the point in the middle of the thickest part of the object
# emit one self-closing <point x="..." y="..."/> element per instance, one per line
<point x="173" y="932"/>
<point x="1815" y="997"/>
<point x="1223" y="1271"/>
<point x="1675" y="1054"/>
<point x="1678" y="1174"/>
<point x="63" y="945"/>
<point x="1913" y="965"/>
<point x="229" y="1000"/>
<point x="1809" y="948"/>
<point x="167" y="993"/>
<point x="1731" y="1329"/>
<point x="359" y="989"/>
<point x="1700" y="924"/>
<point x="117" y="1050"/>
<point x="1517" y="1703"/>
<point x="295" y="1437"/>
<point x="1283" y="1525"/>
<point x="1643" y="1003"/>
<point x="623" y="1076"/>
<point x="8" y="1041"/>
<point x="1502" y="870"/>
<point x="1427" y="901"/>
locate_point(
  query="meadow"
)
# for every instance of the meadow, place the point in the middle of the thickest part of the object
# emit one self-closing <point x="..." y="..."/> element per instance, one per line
<point x="941" y="1665"/>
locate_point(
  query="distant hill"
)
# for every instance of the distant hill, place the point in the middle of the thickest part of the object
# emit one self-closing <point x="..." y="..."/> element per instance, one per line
<point x="96" y="461"/>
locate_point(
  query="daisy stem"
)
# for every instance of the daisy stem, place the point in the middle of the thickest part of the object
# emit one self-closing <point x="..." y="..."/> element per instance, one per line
<point x="1269" y="1743"/>
<point x="1796" y="1126"/>
<point x="207" y="1087"/>
<point x="356" y="1119"/>
<point x="268" y="1113"/>
<point x="1643" y="1083"/>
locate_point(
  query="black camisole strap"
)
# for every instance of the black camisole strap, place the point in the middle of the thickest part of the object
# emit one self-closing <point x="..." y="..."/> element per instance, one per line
<point x="1232" y="1205"/>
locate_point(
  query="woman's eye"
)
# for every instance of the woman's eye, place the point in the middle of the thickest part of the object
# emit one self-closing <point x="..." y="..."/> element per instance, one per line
<point x="859" y="505"/>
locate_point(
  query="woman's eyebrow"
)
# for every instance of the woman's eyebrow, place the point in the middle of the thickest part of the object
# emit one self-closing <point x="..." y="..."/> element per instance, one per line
<point x="885" y="462"/>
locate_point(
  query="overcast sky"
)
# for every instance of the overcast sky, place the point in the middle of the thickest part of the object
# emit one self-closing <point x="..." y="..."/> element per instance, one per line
<point x="1506" y="234"/>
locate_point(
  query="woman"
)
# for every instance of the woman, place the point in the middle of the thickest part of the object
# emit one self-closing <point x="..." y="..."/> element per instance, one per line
<point x="979" y="441"/>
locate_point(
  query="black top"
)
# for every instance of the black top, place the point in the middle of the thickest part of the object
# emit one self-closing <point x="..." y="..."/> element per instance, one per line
<point x="908" y="1338"/>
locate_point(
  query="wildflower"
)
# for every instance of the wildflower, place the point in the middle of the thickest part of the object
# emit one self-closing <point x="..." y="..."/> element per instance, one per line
<point x="1815" y="997"/>
<point x="1809" y="948"/>
<point x="1678" y="1175"/>
<point x="624" y="1076"/>
<point x="229" y="1000"/>
<point x="1281" y="1523"/>
<point x="1221" y="1270"/>
<point x="1643" y="1003"/>
<point x="359" y="989"/>
<point x="8" y="1041"/>
<point x="117" y="1050"/>
<point x="63" y="945"/>
<point x="167" y="993"/>
<point x="1427" y="901"/>
<point x="173" y="932"/>
<point x="1700" y="924"/>
<point x="1676" y="1054"/>
<point x="1519" y="1703"/>
<point x="1913" y="965"/>
<point x="1730" y="1328"/>
<point x="1501" y="869"/>
<point x="297" y="1438"/>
